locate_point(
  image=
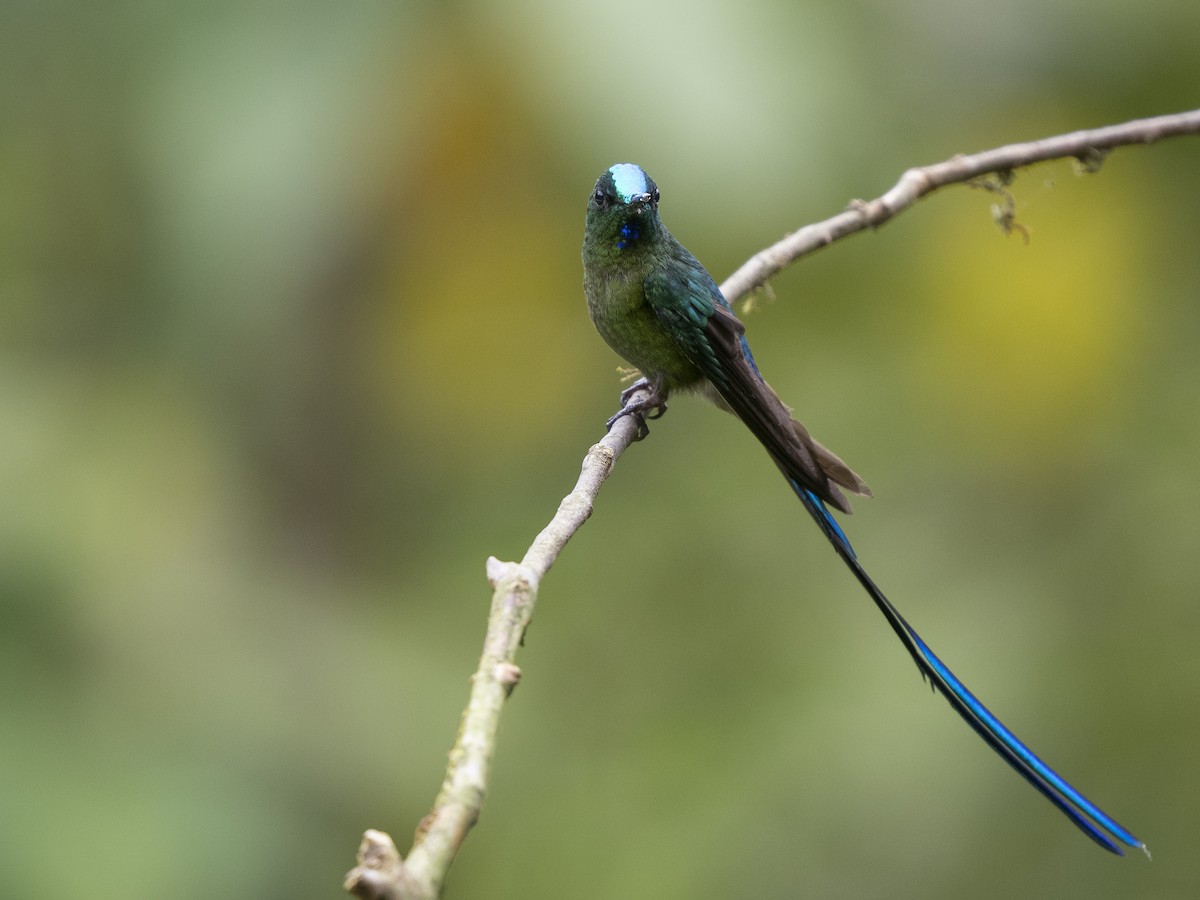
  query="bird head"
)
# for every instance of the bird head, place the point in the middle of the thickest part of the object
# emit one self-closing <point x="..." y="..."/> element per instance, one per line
<point x="623" y="209"/>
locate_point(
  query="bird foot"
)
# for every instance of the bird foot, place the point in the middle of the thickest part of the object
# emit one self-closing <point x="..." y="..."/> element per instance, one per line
<point x="651" y="407"/>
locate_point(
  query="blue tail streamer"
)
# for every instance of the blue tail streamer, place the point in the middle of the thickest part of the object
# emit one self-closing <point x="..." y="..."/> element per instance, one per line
<point x="1086" y="815"/>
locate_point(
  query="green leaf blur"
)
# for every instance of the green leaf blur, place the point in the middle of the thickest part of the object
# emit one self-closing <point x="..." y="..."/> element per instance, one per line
<point x="292" y="337"/>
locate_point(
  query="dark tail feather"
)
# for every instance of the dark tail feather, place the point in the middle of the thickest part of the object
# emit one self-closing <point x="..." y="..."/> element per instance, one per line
<point x="1088" y="817"/>
<point x="832" y="465"/>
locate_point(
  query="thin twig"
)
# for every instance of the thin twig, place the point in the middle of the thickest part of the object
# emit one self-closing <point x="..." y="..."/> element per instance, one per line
<point x="381" y="872"/>
<point x="1089" y="147"/>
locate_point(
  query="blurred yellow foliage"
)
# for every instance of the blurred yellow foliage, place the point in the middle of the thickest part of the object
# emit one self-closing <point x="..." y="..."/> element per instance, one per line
<point x="1025" y="340"/>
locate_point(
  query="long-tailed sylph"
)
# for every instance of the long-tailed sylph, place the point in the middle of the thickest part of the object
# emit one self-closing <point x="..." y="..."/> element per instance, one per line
<point x="657" y="307"/>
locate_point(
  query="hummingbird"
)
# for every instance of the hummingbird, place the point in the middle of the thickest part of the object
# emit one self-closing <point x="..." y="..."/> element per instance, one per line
<point x="658" y="308"/>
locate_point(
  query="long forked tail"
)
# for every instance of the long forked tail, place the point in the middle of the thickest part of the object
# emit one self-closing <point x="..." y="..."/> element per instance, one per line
<point x="1086" y="815"/>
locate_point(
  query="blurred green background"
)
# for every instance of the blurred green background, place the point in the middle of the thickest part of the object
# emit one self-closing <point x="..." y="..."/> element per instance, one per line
<point x="292" y="337"/>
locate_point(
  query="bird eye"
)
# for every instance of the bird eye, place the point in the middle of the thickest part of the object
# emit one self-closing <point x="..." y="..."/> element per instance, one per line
<point x="600" y="198"/>
<point x="656" y="196"/>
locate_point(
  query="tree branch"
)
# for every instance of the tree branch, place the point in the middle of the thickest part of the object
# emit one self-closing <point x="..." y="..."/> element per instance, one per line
<point x="1089" y="147"/>
<point x="381" y="872"/>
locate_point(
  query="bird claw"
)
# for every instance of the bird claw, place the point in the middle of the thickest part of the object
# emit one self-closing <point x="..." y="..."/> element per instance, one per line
<point x="642" y="384"/>
<point x="651" y="407"/>
<point x="643" y="430"/>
